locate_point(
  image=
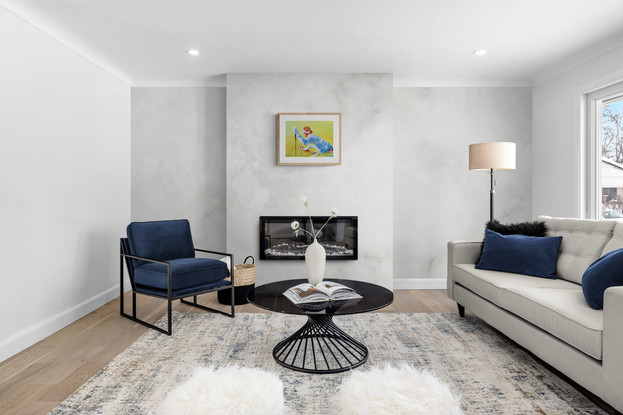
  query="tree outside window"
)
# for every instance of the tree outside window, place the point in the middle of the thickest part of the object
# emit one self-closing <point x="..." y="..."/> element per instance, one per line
<point x="612" y="158"/>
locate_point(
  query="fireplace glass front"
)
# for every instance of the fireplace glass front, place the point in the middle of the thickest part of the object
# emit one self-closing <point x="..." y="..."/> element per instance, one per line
<point x="278" y="239"/>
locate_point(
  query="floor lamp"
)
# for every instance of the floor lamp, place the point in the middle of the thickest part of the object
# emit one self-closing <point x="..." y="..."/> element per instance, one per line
<point x="492" y="156"/>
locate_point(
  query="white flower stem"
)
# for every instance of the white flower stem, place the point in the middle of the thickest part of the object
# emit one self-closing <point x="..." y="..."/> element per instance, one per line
<point x="312" y="223"/>
<point x="307" y="232"/>
<point x="325" y="224"/>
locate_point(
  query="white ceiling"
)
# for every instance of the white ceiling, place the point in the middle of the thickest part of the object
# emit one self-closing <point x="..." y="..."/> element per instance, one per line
<point x="422" y="42"/>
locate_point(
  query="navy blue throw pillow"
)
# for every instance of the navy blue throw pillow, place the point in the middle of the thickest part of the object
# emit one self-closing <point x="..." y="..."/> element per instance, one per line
<point x="606" y="272"/>
<point x="536" y="228"/>
<point x="529" y="255"/>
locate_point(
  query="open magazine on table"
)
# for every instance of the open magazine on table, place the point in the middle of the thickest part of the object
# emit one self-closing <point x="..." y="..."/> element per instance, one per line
<point x="323" y="291"/>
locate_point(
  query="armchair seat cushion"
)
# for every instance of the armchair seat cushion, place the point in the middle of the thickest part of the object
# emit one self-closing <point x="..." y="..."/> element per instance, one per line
<point x="185" y="273"/>
<point x="183" y="292"/>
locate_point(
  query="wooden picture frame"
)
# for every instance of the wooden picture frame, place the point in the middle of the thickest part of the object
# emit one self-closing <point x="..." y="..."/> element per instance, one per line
<point x="309" y="139"/>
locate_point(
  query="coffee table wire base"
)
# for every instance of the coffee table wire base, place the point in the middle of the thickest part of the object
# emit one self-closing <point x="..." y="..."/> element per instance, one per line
<point x="320" y="347"/>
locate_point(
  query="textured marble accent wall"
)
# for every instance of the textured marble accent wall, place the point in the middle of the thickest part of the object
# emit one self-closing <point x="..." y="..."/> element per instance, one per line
<point x="178" y="159"/>
<point x="436" y="197"/>
<point x="361" y="186"/>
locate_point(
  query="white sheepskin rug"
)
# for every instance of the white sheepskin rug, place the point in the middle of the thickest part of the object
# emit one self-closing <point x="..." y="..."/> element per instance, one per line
<point x="230" y="390"/>
<point x="403" y="390"/>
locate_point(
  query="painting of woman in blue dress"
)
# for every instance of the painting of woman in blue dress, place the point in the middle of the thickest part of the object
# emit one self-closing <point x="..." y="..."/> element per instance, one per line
<point x="309" y="139"/>
<point x="312" y="142"/>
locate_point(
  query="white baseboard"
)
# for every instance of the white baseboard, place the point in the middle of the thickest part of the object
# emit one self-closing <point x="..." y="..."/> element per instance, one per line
<point x="419" y="283"/>
<point x="37" y="332"/>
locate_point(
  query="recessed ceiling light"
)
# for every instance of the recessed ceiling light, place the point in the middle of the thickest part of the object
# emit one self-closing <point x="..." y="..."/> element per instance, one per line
<point x="480" y="52"/>
<point x="193" y="52"/>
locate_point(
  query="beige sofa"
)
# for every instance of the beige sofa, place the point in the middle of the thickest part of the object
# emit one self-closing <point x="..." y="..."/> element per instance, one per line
<point x="551" y="317"/>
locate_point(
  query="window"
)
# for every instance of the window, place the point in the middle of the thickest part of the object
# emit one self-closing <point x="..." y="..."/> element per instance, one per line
<point x="606" y="153"/>
<point x="612" y="158"/>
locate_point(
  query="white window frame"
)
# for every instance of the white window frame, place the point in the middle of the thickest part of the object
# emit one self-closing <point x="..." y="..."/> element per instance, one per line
<point x="596" y="100"/>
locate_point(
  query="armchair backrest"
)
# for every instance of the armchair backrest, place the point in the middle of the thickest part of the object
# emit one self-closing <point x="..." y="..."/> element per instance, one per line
<point x="160" y="240"/>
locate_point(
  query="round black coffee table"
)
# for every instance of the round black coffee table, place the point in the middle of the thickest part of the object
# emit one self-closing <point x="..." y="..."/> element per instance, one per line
<point x="320" y="346"/>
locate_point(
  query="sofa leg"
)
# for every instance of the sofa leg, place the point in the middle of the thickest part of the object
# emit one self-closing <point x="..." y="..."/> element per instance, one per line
<point x="461" y="310"/>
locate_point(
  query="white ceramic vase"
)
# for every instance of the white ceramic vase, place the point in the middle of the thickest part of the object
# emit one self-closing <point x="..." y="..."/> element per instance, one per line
<point x="315" y="261"/>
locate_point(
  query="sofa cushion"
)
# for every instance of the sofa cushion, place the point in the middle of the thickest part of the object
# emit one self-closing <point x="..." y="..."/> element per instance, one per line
<point x="583" y="241"/>
<point x="604" y="273"/>
<point x="489" y="284"/>
<point x="617" y="238"/>
<point x="520" y="254"/>
<point x="561" y="312"/>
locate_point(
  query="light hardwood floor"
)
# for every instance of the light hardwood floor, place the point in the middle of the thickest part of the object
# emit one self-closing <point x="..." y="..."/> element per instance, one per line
<point x="37" y="379"/>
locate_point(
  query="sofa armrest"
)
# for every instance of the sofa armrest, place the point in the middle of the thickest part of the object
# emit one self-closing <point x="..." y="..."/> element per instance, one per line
<point x="460" y="252"/>
<point x="463" y="252"/>
<point x="613" y="346"/>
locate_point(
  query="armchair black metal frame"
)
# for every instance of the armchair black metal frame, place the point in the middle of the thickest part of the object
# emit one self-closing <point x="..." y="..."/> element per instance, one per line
<point x="169" y="296"/>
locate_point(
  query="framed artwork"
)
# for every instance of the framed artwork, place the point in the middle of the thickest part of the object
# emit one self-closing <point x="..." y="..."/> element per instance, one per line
<point x="309" y="139"/>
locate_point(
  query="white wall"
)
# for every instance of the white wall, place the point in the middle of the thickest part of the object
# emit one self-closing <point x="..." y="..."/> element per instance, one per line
<point x="178" y="159"/>
<point x="361" y="186"/>
<point x="436" y="197"/>
<point x="557" y="141"/>
<point x="420" y="186"/>
<point x="64" y="181"/>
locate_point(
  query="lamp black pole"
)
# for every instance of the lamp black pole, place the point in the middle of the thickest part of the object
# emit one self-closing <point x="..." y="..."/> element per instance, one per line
<point x="492" y="192"/>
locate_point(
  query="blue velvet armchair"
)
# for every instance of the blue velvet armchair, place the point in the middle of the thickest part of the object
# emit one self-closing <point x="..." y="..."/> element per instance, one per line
<point x="161" y="262"/>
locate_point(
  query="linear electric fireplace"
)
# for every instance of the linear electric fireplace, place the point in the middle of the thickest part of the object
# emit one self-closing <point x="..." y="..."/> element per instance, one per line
<point x="278" y="241"/>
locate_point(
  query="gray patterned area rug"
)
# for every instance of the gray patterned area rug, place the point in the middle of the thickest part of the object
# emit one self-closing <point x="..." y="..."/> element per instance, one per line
<point x="490" y="375"/>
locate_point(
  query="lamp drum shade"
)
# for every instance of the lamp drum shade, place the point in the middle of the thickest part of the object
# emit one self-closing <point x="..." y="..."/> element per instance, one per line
<point x="492" y="156"/>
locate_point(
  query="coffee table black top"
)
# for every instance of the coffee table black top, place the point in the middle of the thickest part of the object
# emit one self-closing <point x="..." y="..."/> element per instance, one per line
<point x="270" y="297"/>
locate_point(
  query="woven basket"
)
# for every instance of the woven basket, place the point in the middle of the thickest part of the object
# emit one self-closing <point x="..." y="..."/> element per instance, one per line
<point x="244" y="273"/>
